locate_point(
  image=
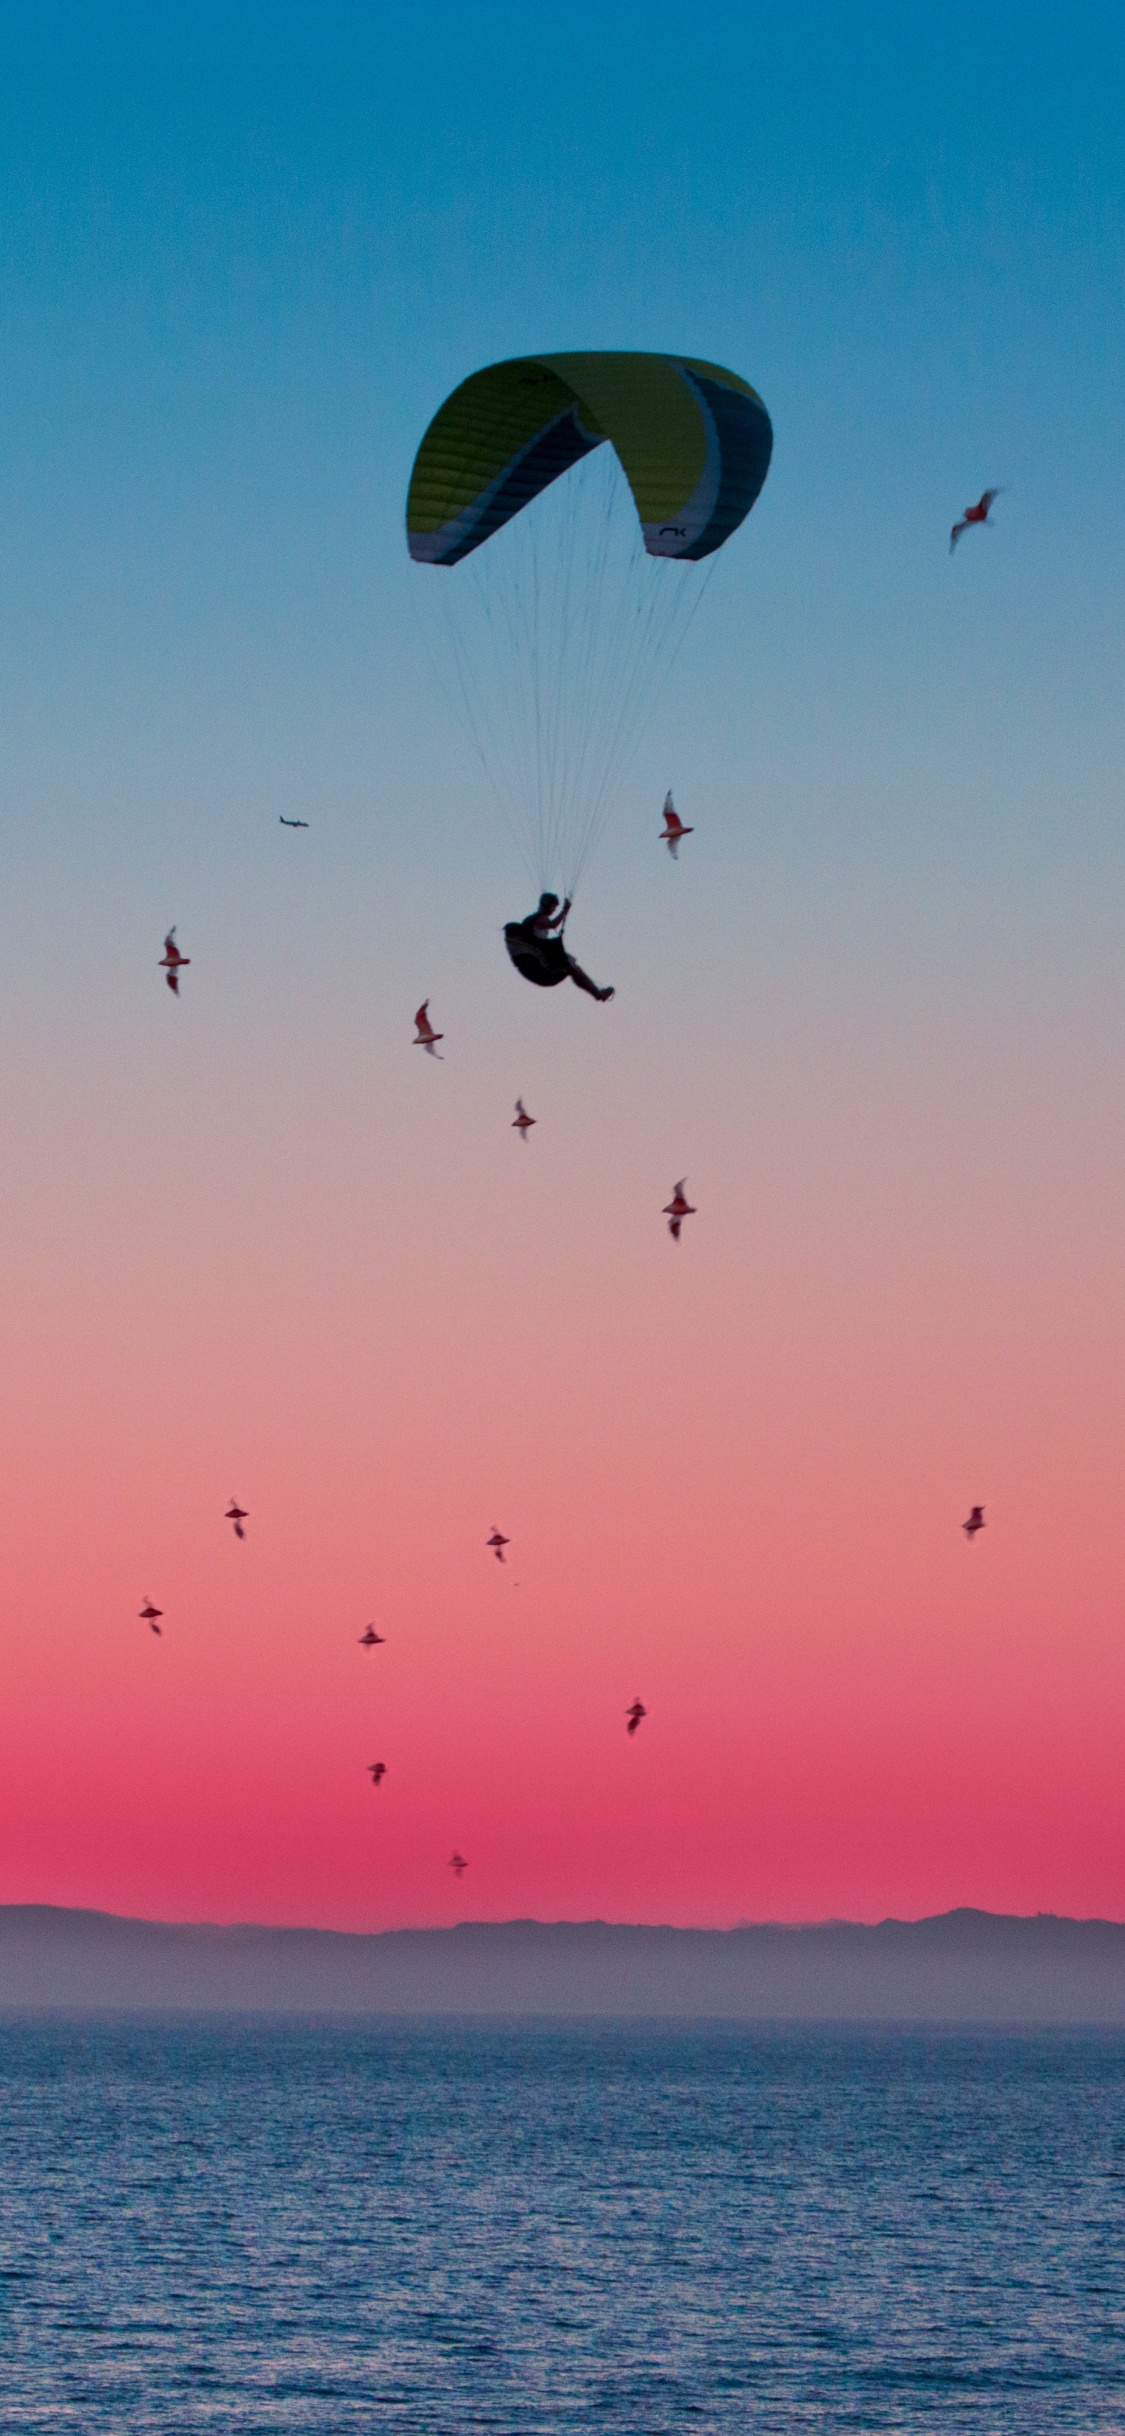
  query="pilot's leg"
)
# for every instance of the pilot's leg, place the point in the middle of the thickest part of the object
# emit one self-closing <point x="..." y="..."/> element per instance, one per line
<point x="584" y="982"/>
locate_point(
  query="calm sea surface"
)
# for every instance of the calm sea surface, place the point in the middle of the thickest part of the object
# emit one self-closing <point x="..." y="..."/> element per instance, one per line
<point x="325" y="2226"/>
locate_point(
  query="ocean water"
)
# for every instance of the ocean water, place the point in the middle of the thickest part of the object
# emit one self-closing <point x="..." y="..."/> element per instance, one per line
<point x="326" y="2226"/>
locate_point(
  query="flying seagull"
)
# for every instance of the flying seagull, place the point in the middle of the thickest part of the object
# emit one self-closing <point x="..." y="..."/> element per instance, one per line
<point x="498" y="1543"/>
<point x="677" y="1209"/>
<point x="237" y="1515"/>
<point x="149" y="1614"/>
<point x="371" y="1639"/>
<point x="425" y="1036"/>
<point x="975" y="1523"/>
<point x="172" y="961"/>
<point x="521" y="1121"/>
<point x="974" y="515"/>
<point x="673" y="829"/>
<point x="634" y="1715"/>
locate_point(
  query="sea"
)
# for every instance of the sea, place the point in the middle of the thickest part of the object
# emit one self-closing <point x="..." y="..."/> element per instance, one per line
<point x="532" y="2229"/>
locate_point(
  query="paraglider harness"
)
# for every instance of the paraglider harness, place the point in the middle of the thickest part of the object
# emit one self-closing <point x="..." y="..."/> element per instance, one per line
<point x="538" y="955"/>
<point x="544" y="961"/>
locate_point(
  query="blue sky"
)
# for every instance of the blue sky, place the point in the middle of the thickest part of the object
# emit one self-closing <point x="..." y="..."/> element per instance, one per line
<point x="245" y="254"/>
<point x="233" y="294"/>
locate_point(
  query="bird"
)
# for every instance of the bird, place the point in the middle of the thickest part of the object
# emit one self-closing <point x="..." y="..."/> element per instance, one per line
<point x="458" y="1866"/>
<point x="172" y="961"/>
<point x="371" y="1639"/>
<point x="975" y="1523"/>
<point x="521" y="1121"/>
<point x="292" y="824"/>
<point x="677" y="1209"/>
<point x="634" y="1715"/>
<point x="149" y="1614"/>
<point x="974" y="515"/>
<point x="425" y="1036"/>
<point x="377" y="1771"/>
<point x="673" y="829"/>
<point x="237" y="1515"/>
<point x="498" y="1543"/>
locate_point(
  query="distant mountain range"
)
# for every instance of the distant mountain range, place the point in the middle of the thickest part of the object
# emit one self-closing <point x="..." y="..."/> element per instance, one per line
<point x="959" y="1966"/>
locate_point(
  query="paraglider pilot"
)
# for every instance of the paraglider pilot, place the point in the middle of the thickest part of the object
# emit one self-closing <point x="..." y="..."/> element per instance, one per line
<point x="540" y="956"/>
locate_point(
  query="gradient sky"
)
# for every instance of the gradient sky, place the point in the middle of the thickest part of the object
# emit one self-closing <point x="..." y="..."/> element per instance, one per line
<point x="254" y="1243"/>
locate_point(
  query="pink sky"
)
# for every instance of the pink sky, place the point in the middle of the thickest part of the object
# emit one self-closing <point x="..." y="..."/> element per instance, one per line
<point x="733" y="1471"/>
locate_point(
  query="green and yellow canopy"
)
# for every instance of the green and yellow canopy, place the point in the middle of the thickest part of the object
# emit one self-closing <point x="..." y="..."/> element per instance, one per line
<point x="694" y="442"/>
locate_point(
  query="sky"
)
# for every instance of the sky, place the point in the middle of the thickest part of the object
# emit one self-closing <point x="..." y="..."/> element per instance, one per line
<point x="253" y="1244"/>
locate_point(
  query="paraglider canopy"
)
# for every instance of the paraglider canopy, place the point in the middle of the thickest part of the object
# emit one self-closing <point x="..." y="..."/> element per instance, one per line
<point x="694" y="441"/>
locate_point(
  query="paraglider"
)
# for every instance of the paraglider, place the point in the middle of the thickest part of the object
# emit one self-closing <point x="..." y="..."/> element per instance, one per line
<point x="634" y="1715"/>
<point x="521" y="1121"/>
<point x="975" y="1523"/>
<point x="458" y="1865"/>
<point x="674" y="828"/>
<point x="497" y="1543"/>
<point x="677" y="1209"/>
<point x="560" y="632"/>
<point x="377" y="1772"/>
<point x="543" y="959"/>
<point x="172" y="963"/>
<point x="425" y="1037"/>
<point x="237" y="1515"/>
<point x="371" y="1639"/>
<point x="974" y="515"/>
<point x="149" y="1614"/>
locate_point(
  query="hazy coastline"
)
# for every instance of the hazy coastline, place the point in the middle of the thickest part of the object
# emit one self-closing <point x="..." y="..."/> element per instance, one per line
<point x="962" y="1965"/>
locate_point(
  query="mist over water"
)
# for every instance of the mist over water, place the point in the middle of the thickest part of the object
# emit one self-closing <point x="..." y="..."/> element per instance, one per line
<point x="328" y="2227"/>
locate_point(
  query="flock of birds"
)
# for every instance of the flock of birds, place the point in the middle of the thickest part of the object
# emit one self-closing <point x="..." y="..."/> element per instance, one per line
<point x="173" y="963"/>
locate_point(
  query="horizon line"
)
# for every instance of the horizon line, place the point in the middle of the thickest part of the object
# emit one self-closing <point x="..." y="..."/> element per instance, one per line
<point x="960" y="1911"/>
